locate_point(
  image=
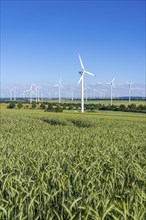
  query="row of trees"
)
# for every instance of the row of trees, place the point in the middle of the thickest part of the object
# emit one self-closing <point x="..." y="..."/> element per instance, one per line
<point x="20" y="105"/>
<point x="49" y="107"/>
<point x="55" y="107"/>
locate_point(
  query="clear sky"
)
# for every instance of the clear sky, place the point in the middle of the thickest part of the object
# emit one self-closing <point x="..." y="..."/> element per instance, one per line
<point x="40" y="41"/>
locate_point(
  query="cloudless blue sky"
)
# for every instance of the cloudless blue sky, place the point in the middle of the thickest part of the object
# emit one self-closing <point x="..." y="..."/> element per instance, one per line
<point x="40" y="41"/>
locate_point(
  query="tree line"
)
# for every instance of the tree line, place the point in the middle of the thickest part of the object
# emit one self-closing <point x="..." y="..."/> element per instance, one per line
<point x="59" y="107"/>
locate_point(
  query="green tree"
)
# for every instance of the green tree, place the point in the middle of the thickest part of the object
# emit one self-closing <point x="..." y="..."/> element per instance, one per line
<point x="50" y="108"/>
<point x="33" y="105"/>
<point x="19" y="105"/>
<point x="42" y="105"/>
<point x="11" y="105"/>
<point x="122" y="107"/>
<point x="132" y="107"/>
<point x="58" y="108"/>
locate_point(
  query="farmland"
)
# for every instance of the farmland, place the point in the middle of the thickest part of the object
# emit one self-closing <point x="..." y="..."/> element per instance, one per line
<point x="72" y="166"/>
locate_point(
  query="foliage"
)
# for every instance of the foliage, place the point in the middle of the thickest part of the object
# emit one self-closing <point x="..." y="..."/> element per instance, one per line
<point x="50" y="108"/>
<point x="58" y="108"/>
<point x="33" y="105"/>
<point x="92" y="107"/>
<point x="11" y="105"/>
<point x="20" y="105"/>
<point x="42" y="105"/>
<point x="73" y="166"/>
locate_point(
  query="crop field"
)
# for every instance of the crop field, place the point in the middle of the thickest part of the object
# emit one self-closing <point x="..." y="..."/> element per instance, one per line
<point x="63" y="166"/>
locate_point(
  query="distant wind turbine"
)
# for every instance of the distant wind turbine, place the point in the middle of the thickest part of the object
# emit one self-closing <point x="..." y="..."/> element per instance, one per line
<point x="14" y="93"/>
<point x="112" y="86"/>
<point x="23" y="94"/>
<point x="59" y="85"/>
<point x="13" y="97"/>
<point x="37" y="88"/>
<point x="82" y="79"/>
<point x="31" y="91"/>
<point x="72" y="93"/>
<point x="86" y="91"/>
<point x="129" y="92"/>
<point x="10" y="94"/>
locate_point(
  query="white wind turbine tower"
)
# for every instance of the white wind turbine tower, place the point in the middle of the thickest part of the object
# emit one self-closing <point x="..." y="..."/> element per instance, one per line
<point x="37" y="88"/>
<point x="24" y="93"/>
<point x="30" y="97"/>
<point x="59" y="85"/>
<point x="86" y="91"/>
<point x="129" y="86"/>
<point x="10" y="94"/>
<point x="82" y="79"/>
<point x="72" y="93"/>
<point x="112" y="86"/>
<point x="14" y="93"/>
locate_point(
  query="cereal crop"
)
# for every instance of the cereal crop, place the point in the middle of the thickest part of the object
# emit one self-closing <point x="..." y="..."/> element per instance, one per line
<point x="71" y="166"/>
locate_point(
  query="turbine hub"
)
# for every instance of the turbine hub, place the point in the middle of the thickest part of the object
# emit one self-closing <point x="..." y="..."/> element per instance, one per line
<point x="81" y="72"/>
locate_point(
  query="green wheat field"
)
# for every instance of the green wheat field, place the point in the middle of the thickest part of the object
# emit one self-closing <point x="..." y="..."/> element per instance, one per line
<point x="72" y="166"/>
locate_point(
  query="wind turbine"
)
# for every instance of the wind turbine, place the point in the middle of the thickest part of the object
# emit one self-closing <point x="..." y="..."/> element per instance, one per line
<point x="129" y="86"/>
<point x="59" y="85"/>
<point x="31" y="91"/>
<point x="86" y="88"/>
<point x="24" y="94"/>
<point x="82" y="79"/>
<point x="14" y="93"/>
<point x="112" y="86"/>
<point x="11" y="94"/>
<point x="72" y="93"/>
<point x="37" y="88"/>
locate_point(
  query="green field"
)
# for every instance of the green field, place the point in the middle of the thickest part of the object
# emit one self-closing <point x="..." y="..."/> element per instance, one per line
<point x="106" y="102"/>
<point x="64" y="166"/>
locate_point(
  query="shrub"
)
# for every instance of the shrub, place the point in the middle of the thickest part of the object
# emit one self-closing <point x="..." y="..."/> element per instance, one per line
<point x="122" y="107"/>
<point x="42" y="105"/>
<point x="11" y="105"/>
<point x="19" y="105"/>
<point x="58" y="108"/>
<point x="33" y="105"/>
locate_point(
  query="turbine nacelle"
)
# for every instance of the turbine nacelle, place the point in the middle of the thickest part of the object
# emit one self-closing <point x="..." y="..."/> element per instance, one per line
<point x="59" y="84"/>
<point x="129" y="84"/>
<point x="111" y="83"/>
<point x="81" y="72"/>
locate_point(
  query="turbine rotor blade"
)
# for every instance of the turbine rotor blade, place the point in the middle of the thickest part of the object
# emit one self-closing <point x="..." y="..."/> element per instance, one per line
<point x="80" y="79"/>
<point x="81" y="62"/>
<point x="113" y="80"/>
<point x="90" y="73"/>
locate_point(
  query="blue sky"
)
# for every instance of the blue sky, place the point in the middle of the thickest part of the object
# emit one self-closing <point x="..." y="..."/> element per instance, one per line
<point x="40" y="41"/>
